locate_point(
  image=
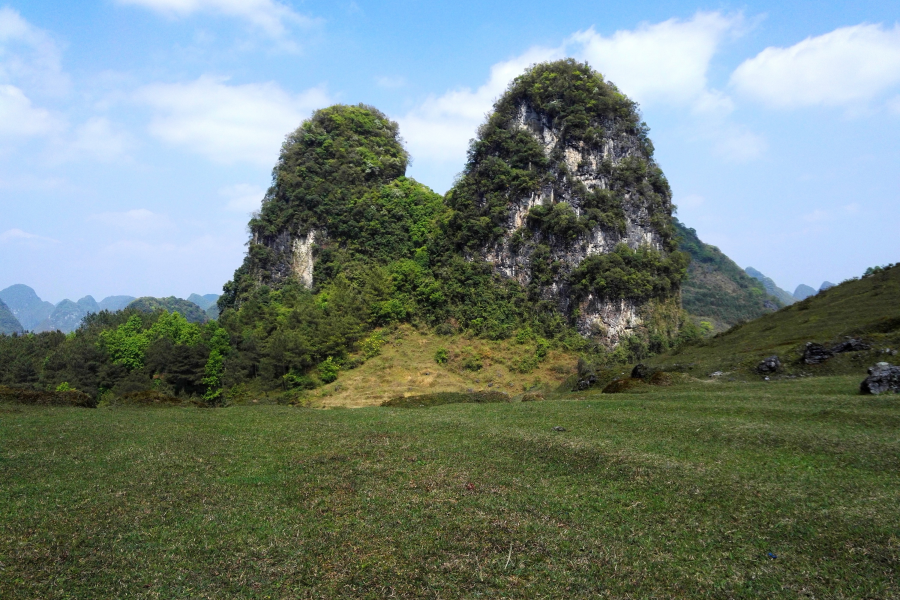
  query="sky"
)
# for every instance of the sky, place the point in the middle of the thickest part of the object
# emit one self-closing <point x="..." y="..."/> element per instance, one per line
<point x="137" y="136"/>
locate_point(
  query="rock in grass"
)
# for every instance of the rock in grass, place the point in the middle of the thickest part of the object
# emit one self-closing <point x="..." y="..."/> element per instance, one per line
<point x="815" y="354"/>
<point x="850" y="345"/>
<point x="641" y="371"/>
<point x="883" y="377"/>
<point x="768" y="365"/>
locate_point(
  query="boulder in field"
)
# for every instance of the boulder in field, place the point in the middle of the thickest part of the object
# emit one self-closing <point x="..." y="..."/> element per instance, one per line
<point x="815" y="354"/>
<point x="768" y="365"/>
<point x="883" y="377"/>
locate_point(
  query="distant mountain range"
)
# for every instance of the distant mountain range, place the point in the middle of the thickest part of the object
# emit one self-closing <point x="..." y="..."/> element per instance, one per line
<point x="21" y="309"/>
<point x="8" y="321"/>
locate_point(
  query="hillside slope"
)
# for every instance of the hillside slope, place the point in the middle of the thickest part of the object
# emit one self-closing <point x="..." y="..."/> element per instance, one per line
<point x="25" y="304"/>
<point x="865" y="308"/>
<point x="771" y="287"/>
<point x="717" y="289"/>
<point x="188" y="310"/>
<point x="8" y="322"/>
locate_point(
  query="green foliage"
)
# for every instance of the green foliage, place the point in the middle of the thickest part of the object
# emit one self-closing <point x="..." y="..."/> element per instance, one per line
<point x="328" y="370"/>
<point x="626" y="273"/>
<point x="506" y="163"/>
<point x="441" y="356"/>
<point x="189" y="310"/>
<point x="716" y="287"/>
<point x="127" y="344"/>
<point x="371" y="346"/>
<point x="65" y="387"/>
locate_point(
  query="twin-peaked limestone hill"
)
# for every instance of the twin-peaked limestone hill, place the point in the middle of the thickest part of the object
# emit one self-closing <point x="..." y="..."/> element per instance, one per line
<point x="561" y="193"/>
<point x="559" y="228"/>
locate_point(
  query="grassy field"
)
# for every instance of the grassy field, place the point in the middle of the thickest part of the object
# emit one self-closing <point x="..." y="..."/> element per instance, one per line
<point x="867" y="308"/>
<point x="744" y="490"/>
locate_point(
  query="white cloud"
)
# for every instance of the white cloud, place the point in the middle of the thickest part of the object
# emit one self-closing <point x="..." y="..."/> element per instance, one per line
<point x="273" y="18"/>
<point x="19" y="118"/>
<point x="738" y="144"/>
<point x="99" y="139"/>
<point x="228" y="123"/>
<point x="243" y="197"/>
<point x="136" y="220"/>
<point x="28" y="55"/>
<point x="663" y="62"/>
<point x="440" y="128"/>
<point x="850" y="65"/>
<point x="17" y="235"/>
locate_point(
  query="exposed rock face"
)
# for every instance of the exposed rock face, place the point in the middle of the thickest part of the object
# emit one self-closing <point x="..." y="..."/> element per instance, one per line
<point x="768" y="365"/>
<point x="883" y="377"/>
<point x="850" y="345"/>
<point x="580" y="187"/>
<point x="302" y="261"/>
<point x="815" y="354"/>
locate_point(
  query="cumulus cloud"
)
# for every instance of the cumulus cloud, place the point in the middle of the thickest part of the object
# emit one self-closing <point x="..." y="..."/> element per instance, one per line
<point x="273" y="18"/>
<point x="440" y="128"/>
<point x="848" y="66"/>
<point x="28" y="55"/>
<point x="228" y="123"/>
<point x="243" y="197"/>
<point x="738" y="144"/>
<point x="20" y="118"/>
<point x="97" y="139"/>
<point x="661" y="62"/>
<point x="17" y="235"/>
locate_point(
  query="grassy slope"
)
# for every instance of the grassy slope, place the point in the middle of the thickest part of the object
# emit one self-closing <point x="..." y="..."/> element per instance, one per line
<point x="679" y="492"/>
<point x="716" y="289"/>
<point x="406" y="367"/>
<point x="867" y="308"/>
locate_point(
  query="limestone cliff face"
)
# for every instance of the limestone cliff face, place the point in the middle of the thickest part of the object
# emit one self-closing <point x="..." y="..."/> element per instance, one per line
<point x="594" y="187"/>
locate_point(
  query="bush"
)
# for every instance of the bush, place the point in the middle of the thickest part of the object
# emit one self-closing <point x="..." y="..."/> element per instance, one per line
<point x="441" y="356"/>
<point x="328" y="370"/>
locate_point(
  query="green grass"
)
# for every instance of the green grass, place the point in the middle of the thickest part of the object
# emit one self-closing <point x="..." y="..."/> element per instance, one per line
<point x="867" y="308"/>
<point x="678" y="492"/>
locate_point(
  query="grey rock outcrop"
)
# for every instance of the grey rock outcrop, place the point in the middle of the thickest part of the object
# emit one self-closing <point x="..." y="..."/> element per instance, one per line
<point x="815" y="354"/>
<point x="883" y="378"/>
<point x="850" y="345"/>
<point x="768" y="365"/>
